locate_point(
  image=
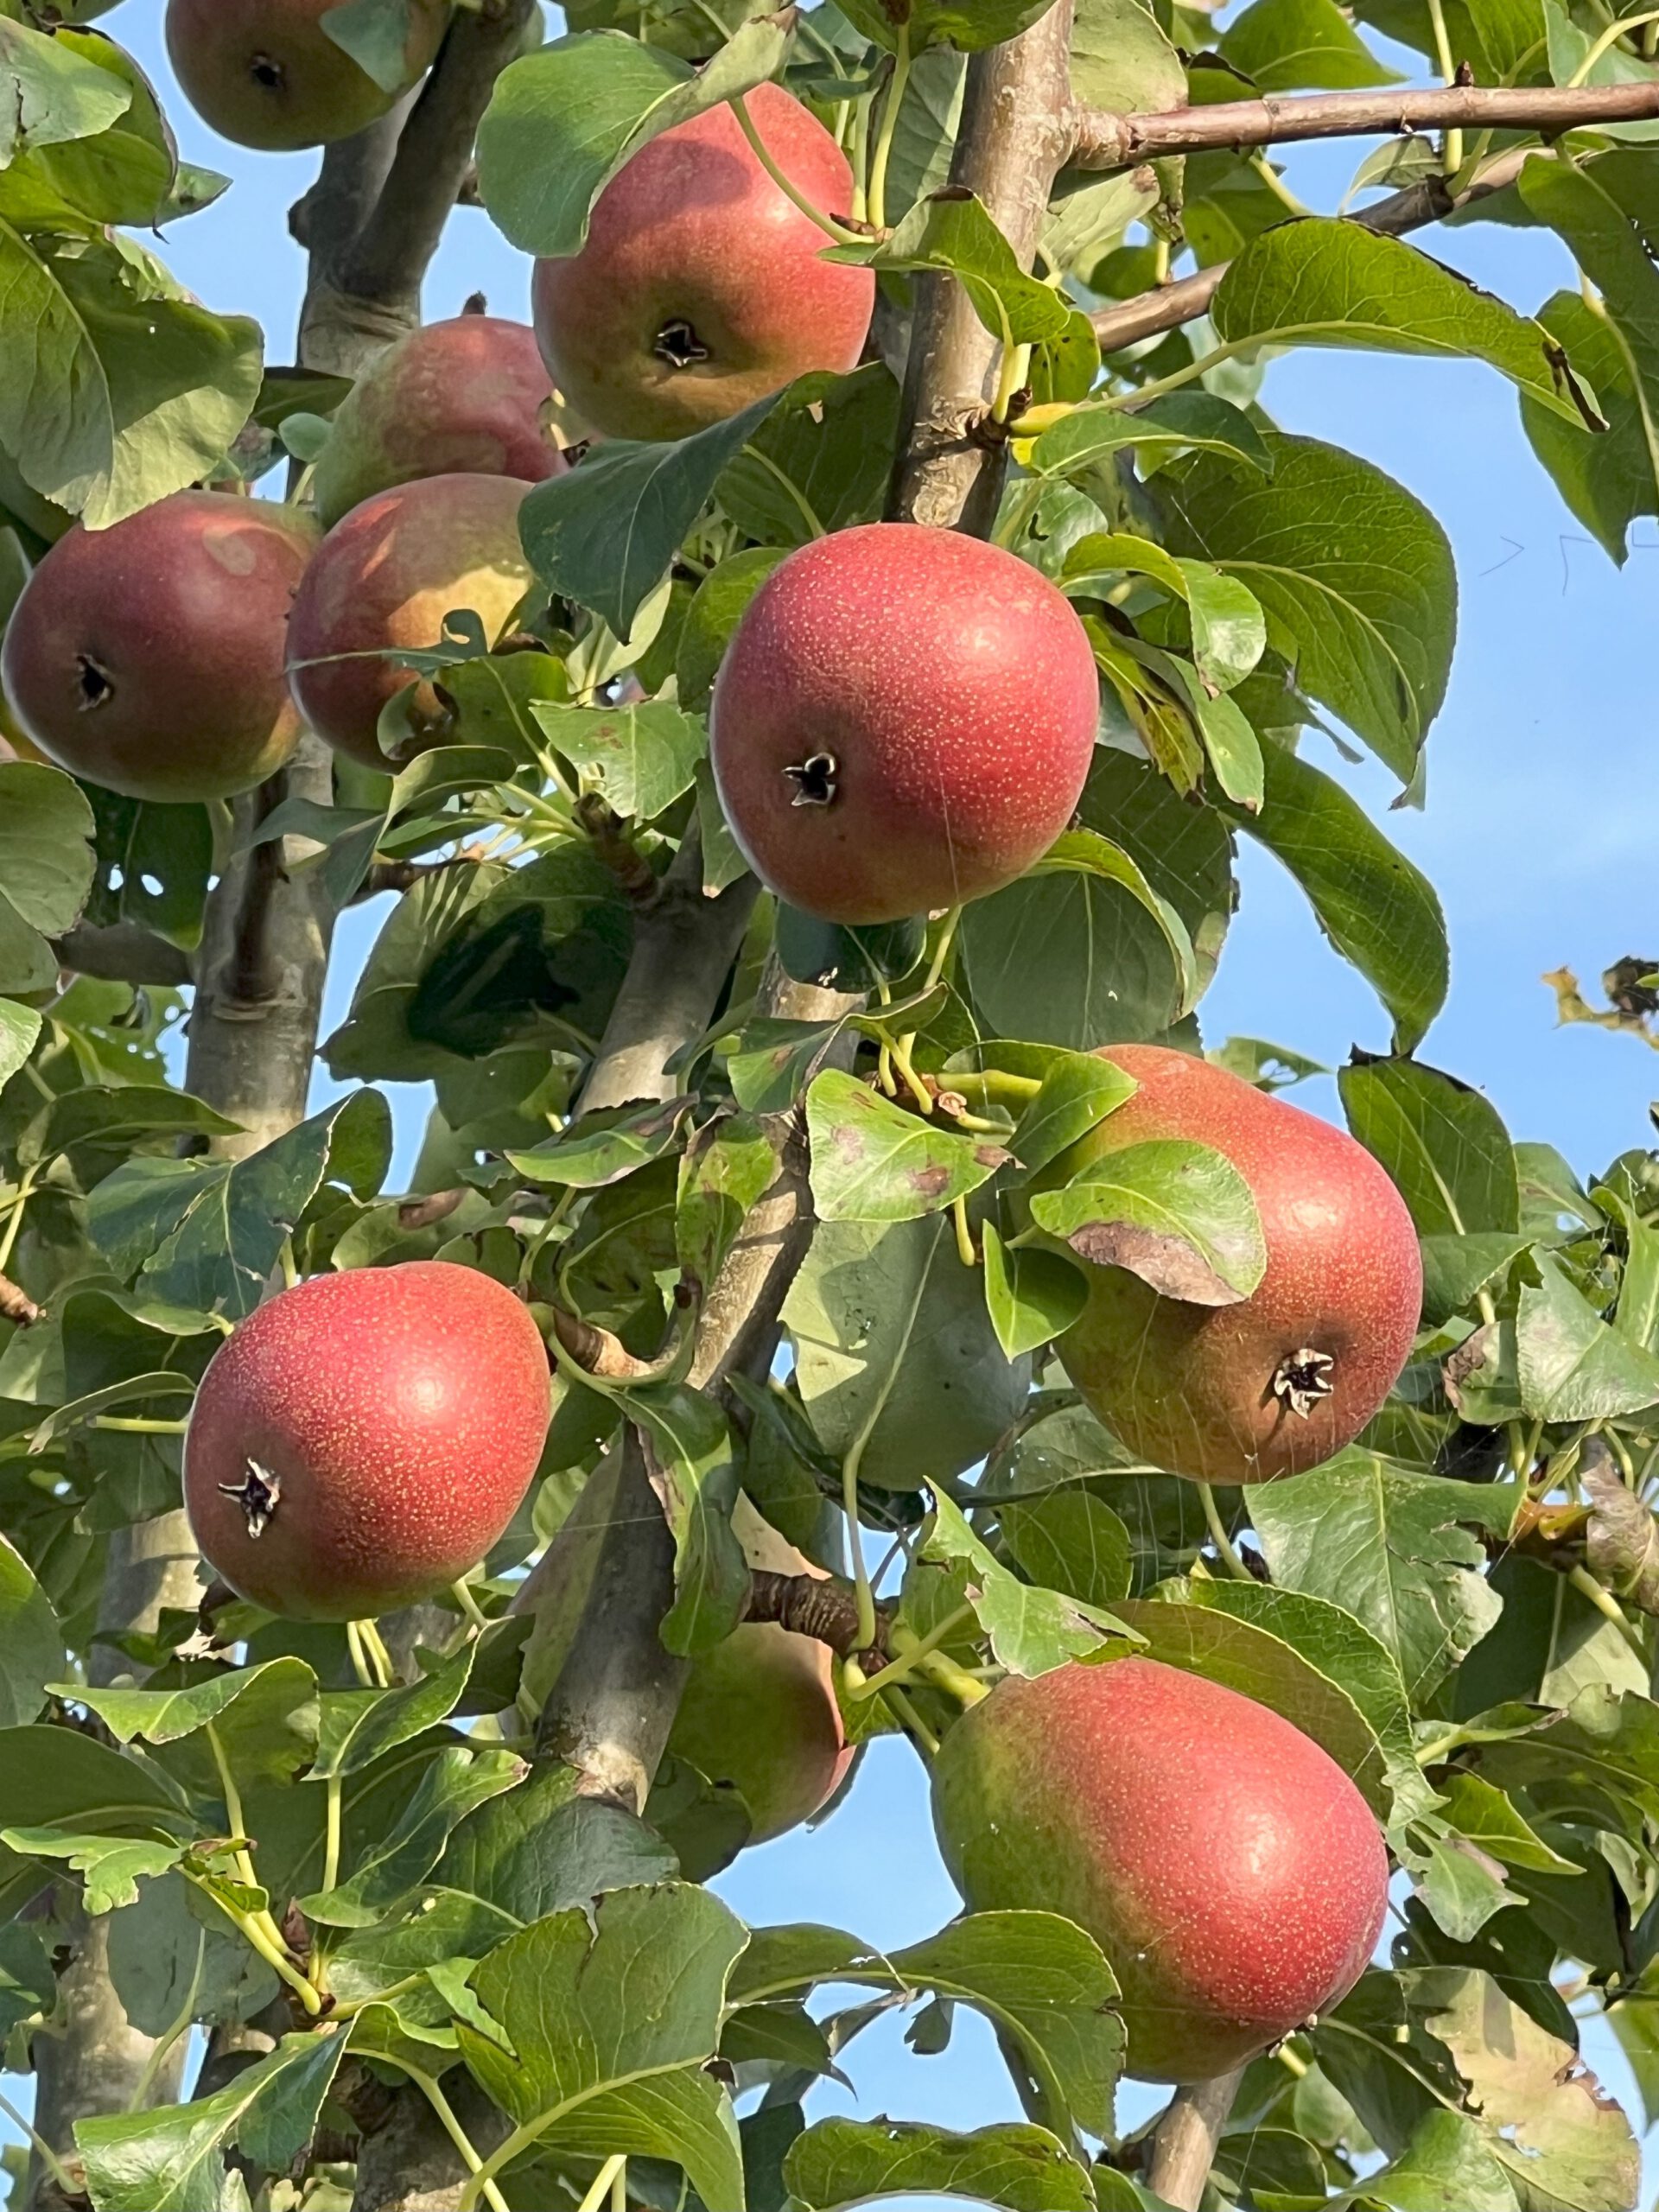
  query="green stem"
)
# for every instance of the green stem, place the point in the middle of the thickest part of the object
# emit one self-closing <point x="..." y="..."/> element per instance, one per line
<point x="331" y="1828"/>
<point x="914" y="1726"/>
<point x="136" y="1424"/>
<point x="234" y="1812"/>
<point x="1451" y="146"/>
<point x="1604" y="1602"/>
<point x="899" y="1671"/>
<point x="965" y="1251"/>
<point x="179" y="2025"/>
<point x="898" y="1048"/>
<point x="1439" y="1747"/>
<point x="480" y="2184"/>
<point x="1219" y="1537"/>
<point x="15" y="1221"/>
<point x="996" y="1087"/>
<point x="71" y="2189"/>
<point x="604" y="2182"/>
<point x="360" y="1657"/>
<point x="1016" y="367"/>
<point x="470" y="1606"/>
<point x="858" y="154"/>
<point x="827" y="224"/>
<point x="891" y="100"/>
<point x="1205" y="363"/>
<point x="865" y="1595"/>
<point x="273" y="1953"/>
<point x="378" y="1657"/>
<point x="945" y="1674"/>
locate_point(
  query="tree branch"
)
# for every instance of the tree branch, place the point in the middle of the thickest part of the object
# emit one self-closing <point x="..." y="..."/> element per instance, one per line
<point x="1016" y="131"/>
<point x="1183" y="2143"/>
<point x="388" y="258"/>
<point x="1109" y="142"/>
<point x="1412" y="209"/>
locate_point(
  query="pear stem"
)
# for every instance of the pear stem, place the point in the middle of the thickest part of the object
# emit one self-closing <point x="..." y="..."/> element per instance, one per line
<point x="603" y="2184"/>
<point x="892" y="101"/>
<point x="827" y="224"/>
<point x="1218" y="1535"/>
<point x="1183" y="2144"/>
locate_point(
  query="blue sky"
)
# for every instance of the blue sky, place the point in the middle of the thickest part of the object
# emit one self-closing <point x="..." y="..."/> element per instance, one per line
<point x="1539" y="804"/>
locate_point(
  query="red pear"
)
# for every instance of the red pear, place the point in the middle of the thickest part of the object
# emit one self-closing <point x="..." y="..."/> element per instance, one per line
<point x="904" y="719"/>
<point x="1226" y="1865"/>
<point x="362" y="1441"/>
<point x="462" y="397"/>
<point x="700" y="288"/>
<point x="266" y="73"/>
<point x="1284" y="1378"/>
<point x="386" y="578"/>
<point x="759" y="1713"/>
<point x="148" y="657"/>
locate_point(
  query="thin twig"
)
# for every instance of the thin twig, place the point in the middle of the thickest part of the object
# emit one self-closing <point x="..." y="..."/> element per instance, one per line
<point x="1108" y="141"/>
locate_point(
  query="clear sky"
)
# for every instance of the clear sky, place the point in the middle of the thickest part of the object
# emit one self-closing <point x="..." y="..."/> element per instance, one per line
<point x="1541" y="796"/>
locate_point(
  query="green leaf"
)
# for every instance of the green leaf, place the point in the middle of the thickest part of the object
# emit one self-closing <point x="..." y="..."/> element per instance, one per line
<point x="264" y="1718"/>
<point x="895" y="1351"/>
<point x="1228" y="631"/>
<point x="57" y="1777"/>
<point x="20" y="1027"/>
<point x="1283" y="45"/>
<point x="971" y="25"/>
<point x="1445" y="2162"/>
<point x="1077" y="1091"/>
<point x="722" y="1177"/>
<point x="1122" y="59"/>
<point x="951" y="231"/>
<point x="173" y="2160"/>
<point x="873" y="1162"/>
<point x="31" y="1642"/>
<point x="354" y="1728"/>
<point x="639" y="758"/>
<point x="50" y="94"/>
<point x="1440" y="1140"/>
<point x="846" y="2162"/>
<point x="46" y="869"/>
<point x="1182" y="422"/>
<point x="541" y="1849"/>
<point x="716" y="608"/>
<point x="115" y="388"/>
<point x="1486" y="1816"/>
<point x="1377" y="909"/>
<point x="1607" y="480"/>
<point x="1571" y="1365"/>
<point x="218" y="1233"/>
<point x="1323" y="281"/>
<point x="604" y="533"/>
<point x="1385" y="1541"/>
<point x="612" y="2018"/>
<point x="1402" y="2046"/>
<point x="1178" y="1215"/>
<point x="1354" y="575"/>
<point x="1130" y="970"/>
<point x="604" y="1147"/>
<point x="563" y="120"/>
<point x="819" y="462"/>
<point x="1032" y="1296"/>
<point x="1070" y="1539"/>
<point x="1032" y="1630"/>
<point x="692" y="1463"/>
<point x="1611" y="255"/>
<point x="775" y="1061"/>
<point x="109" y="1865"/>
<point x="376" y="34"/>
<point x="452" y="1785"/>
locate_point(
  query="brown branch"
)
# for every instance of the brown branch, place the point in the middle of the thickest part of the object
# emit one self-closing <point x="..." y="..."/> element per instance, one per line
<point x="435" y="152"/>
<point x="1016" y="130"/>
<point x="1183" y="2144"/>
<point x="17" y="1306"/>
<point x="597" y="1350"/>
<point x="1109" y="142"/>
<point x="824" y="1607"/>
<point x="1418" y="205"/>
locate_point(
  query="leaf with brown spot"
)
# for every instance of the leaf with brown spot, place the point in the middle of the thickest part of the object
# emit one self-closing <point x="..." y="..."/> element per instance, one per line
<point x="872" y="1160"/>
<point x="1178" y="1215"/>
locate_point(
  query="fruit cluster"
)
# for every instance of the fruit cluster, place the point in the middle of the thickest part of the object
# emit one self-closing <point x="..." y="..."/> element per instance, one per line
<point x="903" y="722"/>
